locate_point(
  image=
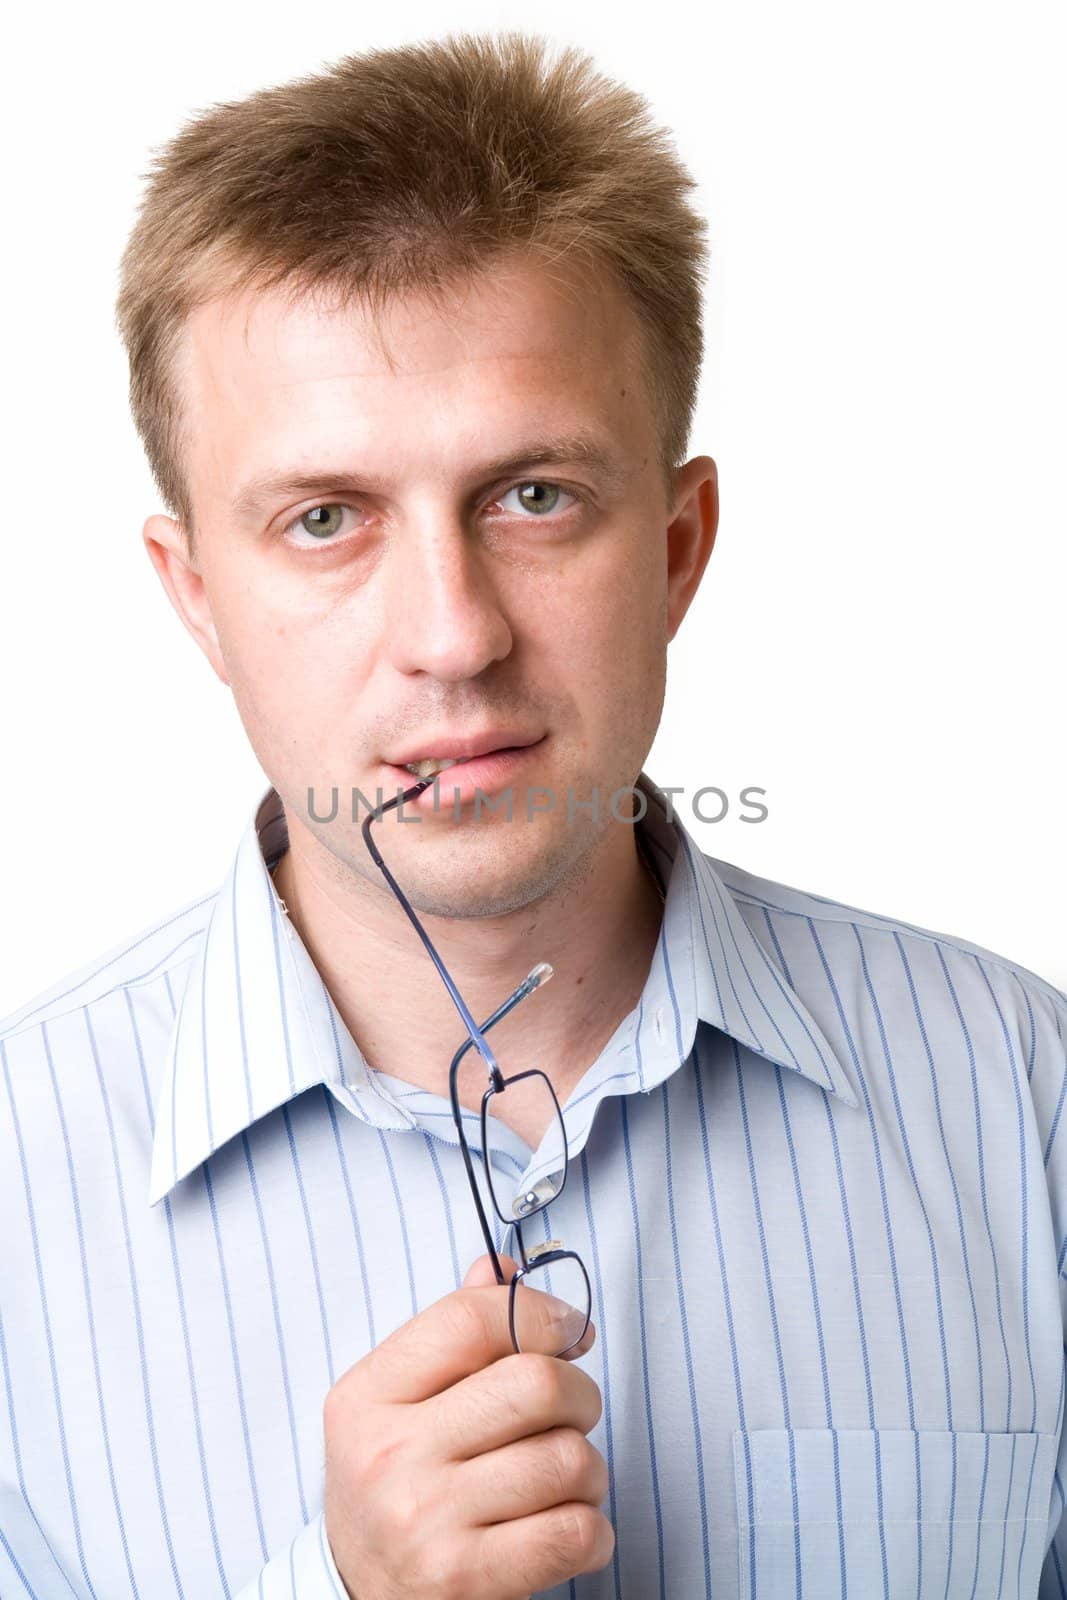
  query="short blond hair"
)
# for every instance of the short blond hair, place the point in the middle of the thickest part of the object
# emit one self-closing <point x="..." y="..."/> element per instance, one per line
<point x="406" y="169"/>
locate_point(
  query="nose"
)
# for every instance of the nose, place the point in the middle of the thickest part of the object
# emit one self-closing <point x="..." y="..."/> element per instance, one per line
<point x="443" y="615"/>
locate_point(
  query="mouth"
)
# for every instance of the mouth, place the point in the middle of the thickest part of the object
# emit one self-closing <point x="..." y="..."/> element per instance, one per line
<point x="488" y="771"/>
<point x="457" y="750"/>
<point x="431" y="767"/>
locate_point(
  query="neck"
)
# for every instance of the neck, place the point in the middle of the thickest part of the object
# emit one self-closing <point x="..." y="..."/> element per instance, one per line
<point x="599" y="936"/>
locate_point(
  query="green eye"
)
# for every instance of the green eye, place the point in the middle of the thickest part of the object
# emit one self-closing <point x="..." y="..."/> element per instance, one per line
<point x="537" y="493"/>
<point x="539" y="497"/>
<point x="322" y="520"/>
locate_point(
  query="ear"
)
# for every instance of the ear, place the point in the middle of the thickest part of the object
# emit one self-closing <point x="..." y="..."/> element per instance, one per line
<point x="168" y="551"/>
<point x="690" y="535"/>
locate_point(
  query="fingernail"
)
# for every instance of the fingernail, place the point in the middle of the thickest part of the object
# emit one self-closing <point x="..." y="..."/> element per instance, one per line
<point x="568" y="1325"/>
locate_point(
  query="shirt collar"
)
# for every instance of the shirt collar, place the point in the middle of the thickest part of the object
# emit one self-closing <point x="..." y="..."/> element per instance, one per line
<point x="255" y="1025"/>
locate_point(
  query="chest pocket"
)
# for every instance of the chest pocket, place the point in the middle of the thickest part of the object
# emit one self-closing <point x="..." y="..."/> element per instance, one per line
<point x="825" y="1512"/>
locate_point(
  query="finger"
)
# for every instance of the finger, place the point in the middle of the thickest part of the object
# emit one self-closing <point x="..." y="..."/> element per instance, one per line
<point x="538" y="1552"/>
<point x="459" y="1335"/>
<point x="533" y="1474"/>
<point x="515" y="1397"/>
<point x="544" y="1323"/>
<point x="480" y="1274"/>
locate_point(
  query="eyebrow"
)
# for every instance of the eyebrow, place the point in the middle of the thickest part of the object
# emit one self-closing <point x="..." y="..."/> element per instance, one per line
<point x="583" y="449"/>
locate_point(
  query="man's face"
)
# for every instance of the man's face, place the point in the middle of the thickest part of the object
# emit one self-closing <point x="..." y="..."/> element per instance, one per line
<point x="419" y="594"/>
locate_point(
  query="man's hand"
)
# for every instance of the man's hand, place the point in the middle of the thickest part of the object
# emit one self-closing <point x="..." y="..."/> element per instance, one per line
<point x="456" y="1468"/>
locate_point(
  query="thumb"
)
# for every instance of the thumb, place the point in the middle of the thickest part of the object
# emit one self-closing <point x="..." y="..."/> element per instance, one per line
<point x="480" y="1272"/>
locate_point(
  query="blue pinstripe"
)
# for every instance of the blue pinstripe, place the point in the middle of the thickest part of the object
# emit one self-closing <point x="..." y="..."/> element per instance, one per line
<point x="194" y="1402"/>
<point x="642" y="1328"/>
<point x="30" y="1209"/>
<point x="774" y="1325"/>
<point x="605" y="1362"/>
<point x="725" y="1284"/>
<point x="981" y="1504"/>
<point x="679" y="1275"/>
<point x="277" y="1319"/>
<point x="135" y="1297"/>
<point x="980" y="1158"/>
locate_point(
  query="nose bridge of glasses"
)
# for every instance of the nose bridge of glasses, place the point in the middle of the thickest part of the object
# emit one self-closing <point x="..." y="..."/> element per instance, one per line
<point x="537" y="1195"/>
<point x="538" y="1250"/>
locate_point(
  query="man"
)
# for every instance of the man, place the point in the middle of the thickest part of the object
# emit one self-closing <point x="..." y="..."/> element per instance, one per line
<point x="414" y="345"/>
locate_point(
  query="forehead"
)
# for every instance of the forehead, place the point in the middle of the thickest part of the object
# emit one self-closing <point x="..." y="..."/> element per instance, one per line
<point x="511" y="346"/>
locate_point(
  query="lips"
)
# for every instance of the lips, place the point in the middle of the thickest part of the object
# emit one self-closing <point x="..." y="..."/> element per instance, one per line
<point x="487" y="773"/>
<point x="435" y="752"/>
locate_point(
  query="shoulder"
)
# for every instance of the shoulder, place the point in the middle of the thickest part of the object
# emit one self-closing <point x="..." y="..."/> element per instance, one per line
<point x="143" y="958"/>
<point x="87" y="1054"/>
<point x="81" y="1063"/>
<point x="876" y="945"/>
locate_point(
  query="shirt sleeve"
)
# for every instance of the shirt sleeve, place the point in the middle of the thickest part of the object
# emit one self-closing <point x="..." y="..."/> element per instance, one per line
<point x="29" y="1569"/>
<point x="305" y="1567"/>
<point x="1048" y="1091"/>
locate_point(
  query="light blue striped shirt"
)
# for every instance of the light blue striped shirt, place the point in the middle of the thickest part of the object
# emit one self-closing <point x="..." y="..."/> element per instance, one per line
<point x="818" y="1178"/>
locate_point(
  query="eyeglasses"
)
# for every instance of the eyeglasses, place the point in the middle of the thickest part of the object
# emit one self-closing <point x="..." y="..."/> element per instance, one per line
<point x="547" y="1269"/>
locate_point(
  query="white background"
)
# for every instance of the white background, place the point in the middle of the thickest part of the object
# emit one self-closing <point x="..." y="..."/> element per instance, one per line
<point x="879" y="641"/>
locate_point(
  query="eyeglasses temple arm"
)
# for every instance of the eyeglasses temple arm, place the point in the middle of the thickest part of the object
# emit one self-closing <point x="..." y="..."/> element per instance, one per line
<point x="533" y="979"/>
<point x="457" y="999"/>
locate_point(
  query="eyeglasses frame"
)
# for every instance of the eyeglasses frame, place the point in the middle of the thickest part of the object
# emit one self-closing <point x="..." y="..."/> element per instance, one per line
<point x="551" y="1251"/>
